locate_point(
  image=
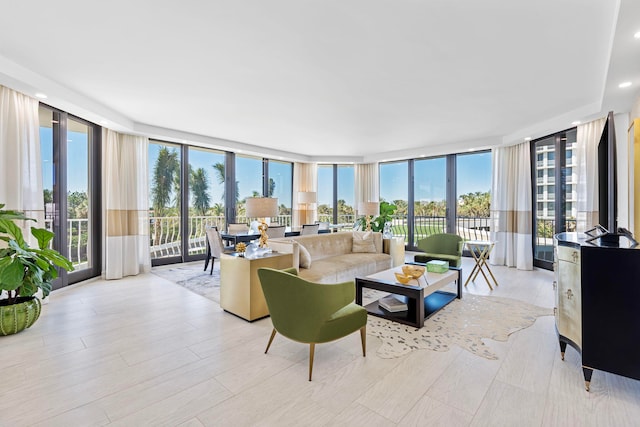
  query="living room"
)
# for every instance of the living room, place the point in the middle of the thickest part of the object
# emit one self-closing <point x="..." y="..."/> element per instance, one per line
<point x="325" y="99"/>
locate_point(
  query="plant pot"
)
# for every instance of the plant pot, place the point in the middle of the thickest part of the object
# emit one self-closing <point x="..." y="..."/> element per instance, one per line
<point x="19" y="316"/>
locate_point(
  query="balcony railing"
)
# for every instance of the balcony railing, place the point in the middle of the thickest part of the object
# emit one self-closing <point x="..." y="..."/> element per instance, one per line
<point x="165" y="237"/>
<point x="545" y="230"/>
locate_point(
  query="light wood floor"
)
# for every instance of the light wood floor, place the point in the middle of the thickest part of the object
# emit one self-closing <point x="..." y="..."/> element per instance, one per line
<point x="144" y="351"/>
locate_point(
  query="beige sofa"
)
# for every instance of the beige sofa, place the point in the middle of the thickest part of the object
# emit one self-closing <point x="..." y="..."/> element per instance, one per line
<point x="332" y="258"/>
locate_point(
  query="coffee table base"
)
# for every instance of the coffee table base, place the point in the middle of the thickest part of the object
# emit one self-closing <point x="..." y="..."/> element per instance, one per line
<point x="432" y="304"/>
<point x="419" y="307"/>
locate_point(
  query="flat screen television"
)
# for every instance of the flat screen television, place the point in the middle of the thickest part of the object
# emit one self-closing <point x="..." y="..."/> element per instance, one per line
<point x="607" y="184"/>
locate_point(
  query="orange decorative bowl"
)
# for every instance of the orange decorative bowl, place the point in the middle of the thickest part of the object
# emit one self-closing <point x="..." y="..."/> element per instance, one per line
<point x="413" y="271"/>
<point x="402" y="278"/>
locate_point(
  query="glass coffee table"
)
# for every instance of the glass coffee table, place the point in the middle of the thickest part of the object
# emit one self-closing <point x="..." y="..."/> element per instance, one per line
<point x="422" y="299"/>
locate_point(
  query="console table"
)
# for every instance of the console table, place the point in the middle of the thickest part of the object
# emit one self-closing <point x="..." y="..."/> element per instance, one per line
<point x="240" y="290"/>
<point x="598" y="304"/>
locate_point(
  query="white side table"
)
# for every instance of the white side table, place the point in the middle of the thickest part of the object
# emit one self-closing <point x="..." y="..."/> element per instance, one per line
<point x="394" y="247"/>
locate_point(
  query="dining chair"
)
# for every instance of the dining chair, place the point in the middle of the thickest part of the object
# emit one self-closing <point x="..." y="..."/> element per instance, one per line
<point x="309" y="229"/>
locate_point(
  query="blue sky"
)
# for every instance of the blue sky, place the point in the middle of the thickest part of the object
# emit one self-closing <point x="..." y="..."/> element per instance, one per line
<point x="473" y="173"/>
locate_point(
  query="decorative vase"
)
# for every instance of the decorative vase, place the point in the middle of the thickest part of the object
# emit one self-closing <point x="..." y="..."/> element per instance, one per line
<point x="19" y="316"/>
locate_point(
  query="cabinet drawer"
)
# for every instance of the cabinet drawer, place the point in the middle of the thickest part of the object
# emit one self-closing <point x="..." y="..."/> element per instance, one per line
<point x="568" y="254"/>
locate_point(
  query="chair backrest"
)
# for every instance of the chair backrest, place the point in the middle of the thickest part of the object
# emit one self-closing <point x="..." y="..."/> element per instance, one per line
<point x="235" y="228"/>
<point x="298" y="307"/>
<point x="442" y="243"/>
<point x="215" y="242"/>
<point x="323" y="225"/>
<point x="309" y="229"/>
<point x="276" y="231"/>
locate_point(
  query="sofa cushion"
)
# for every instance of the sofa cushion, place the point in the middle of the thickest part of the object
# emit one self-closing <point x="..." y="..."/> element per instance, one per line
<point x="363" y="242"/>
<point x="305" y="258"/>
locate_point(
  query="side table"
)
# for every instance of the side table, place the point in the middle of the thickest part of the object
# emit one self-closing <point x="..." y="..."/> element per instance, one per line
<point x="240" y="290"/>
<point x="480" y="251"/>
<point x="394" y="246"/>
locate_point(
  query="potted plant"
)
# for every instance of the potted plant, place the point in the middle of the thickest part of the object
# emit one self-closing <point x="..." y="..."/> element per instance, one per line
<point x="386" y="215"/>
<point x="23" y="271"/>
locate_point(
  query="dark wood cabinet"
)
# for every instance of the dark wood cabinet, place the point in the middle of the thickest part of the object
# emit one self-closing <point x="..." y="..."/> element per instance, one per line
<point x="598" y="304"/>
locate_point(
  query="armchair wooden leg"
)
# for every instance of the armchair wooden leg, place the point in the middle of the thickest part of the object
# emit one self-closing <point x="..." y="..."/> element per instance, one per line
<point x="363" y="338"/>
<point x="273" y="334"/>
<point x="312" y="347"/>
<point x="213" y="260"/>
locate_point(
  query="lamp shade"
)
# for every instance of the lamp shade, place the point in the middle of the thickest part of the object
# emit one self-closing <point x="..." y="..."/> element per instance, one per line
<point x="306" y="197"/>
<point x="369" y="208"/>
<point x="261" y="207"/>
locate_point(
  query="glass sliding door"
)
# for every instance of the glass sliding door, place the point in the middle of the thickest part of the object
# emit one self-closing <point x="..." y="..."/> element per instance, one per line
<point x="164" y="201"/>
<point x="430" y="197"/>
<point x="70" y="152"/>
<point x="78" y="206"/>
<point x="473" y="195"/>
<point x="554" y="192"/>
<point x="206" y="196"/>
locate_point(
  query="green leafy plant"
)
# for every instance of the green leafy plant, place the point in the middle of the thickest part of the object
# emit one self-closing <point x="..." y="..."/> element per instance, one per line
<point x="23" y="269"/>
<point x="386" y="214"/>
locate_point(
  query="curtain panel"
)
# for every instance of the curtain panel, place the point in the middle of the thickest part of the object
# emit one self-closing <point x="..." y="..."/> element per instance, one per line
<point x="305" y="178"/>
<point x="367" y="183"/>
<point x="21" y="185"/>
<point x="587" y="139"/>
<point x="511" y="210"/>
<point x="126" y="204"/>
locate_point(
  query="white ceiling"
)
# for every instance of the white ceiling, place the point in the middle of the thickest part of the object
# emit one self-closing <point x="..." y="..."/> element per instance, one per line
<point x="334" y="79"/>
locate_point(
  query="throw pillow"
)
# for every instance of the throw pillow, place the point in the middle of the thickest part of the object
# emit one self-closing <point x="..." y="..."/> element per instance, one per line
<point x="363" y="242"/>
<point x="305" y="257"/>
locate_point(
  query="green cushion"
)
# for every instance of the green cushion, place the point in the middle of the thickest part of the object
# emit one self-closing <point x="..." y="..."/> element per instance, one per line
<point x="343" y="322"/>
<point x="454" y="261"/>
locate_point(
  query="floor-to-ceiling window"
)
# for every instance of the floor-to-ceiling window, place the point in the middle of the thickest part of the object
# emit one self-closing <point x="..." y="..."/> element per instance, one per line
<point x="394" y="188"/>
<point x="473" y="195"/>
<point x="279" y="185"/>
<point x="336" y="194"/>
<point x="430" y="197"/>
<point x="206" y="195"/>
<point x="70" y="151"/>
<point x="325" y="193"/>
<point x="249" y="173"/>
<point x="164" y="200"/>
<point x="440" y="194"/>
<point x="554" y="192"/>
<point x="345" y="194"/>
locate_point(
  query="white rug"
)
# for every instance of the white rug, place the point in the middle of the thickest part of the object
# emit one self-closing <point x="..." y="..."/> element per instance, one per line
<point x="193" y="277"/>
<point x="463" y="322"/>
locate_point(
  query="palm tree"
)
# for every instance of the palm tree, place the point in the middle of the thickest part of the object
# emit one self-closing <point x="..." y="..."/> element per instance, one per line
<point x="219" y="169"/>
<point x="164" y="173"/>
<point x="272" y="187"/>
<point x="199" y="183"/>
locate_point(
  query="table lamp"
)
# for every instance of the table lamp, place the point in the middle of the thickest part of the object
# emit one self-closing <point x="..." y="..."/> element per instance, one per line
<point x="369" y="209"/>
<point x="261" y="208"/>
<point x="306" y="199"/>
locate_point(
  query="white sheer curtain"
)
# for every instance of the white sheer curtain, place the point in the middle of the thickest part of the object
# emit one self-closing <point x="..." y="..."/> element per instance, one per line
<point x="126" y="204"/>
<point x="511" y="213"/>
<point x="305" y="178"/>
<point x="20" y="160"/>
<point x="587" y="138"/>
<point x="367" y="183"/>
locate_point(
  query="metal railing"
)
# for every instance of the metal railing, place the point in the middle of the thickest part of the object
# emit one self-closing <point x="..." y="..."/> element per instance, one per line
<point x="545" y="230"/>
<point x="77" y="240"/>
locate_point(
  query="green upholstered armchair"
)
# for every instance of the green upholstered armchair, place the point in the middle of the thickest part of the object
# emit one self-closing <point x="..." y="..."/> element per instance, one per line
<point x="442" y="246"/>
<point x="310" y="312"/>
